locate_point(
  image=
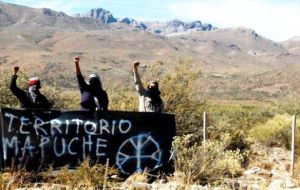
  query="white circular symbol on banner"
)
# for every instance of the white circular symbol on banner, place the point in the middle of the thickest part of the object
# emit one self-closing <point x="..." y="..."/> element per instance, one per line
<point x="138" y="153"/>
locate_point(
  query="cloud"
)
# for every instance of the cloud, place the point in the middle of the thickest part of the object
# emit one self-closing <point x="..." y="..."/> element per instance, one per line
<point x="276" y="20"/>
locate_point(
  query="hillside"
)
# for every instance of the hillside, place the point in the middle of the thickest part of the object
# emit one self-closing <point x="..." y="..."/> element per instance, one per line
<point x="248" y="87"/>
<point x="44" y="42"/>
<point x="293" y="45"/>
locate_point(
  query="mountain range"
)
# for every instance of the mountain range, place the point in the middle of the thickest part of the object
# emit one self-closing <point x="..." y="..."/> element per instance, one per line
<point x="236" y="63"/>
<point x="162" y="28"/>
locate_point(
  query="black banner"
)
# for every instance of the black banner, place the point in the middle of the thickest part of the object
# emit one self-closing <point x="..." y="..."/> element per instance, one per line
<point x="132" y="141"/>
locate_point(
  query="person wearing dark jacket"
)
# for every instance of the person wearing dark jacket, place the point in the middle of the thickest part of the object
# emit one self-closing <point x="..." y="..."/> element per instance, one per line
<point x="31" y="98"/>
<point x="93" y="97"/>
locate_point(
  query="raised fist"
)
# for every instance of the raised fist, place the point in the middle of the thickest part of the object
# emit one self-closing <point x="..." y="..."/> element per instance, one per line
<point x="136" y="64"/>
<point x="15" y="70"/>
<point x="76" y="59"/>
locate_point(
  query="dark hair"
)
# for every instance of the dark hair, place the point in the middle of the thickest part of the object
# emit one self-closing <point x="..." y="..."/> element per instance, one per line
<point x="153" y="82"/>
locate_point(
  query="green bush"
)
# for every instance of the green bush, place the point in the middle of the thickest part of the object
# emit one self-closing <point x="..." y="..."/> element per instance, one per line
<point x="123" y="99"/>
<point x="178" y="93"/>
<point x="275" y="132"/>
<point x="288" y="105"/>
<point x="61" y="100"/>
<point x="235" y="120"/>
<point x="207" y="162"/>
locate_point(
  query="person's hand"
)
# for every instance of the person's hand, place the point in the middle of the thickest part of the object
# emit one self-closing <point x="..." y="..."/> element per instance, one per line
<point x="15" y="70"/>
<point x="76" y="60"/>
<point x="135" y="65"/>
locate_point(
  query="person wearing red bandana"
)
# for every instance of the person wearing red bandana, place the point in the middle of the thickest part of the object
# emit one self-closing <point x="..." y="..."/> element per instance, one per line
<point x="32" y="97"/>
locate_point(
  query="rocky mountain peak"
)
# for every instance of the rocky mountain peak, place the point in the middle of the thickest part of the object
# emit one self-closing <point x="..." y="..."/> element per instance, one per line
<point x="175" y="23"/>
<point x="102" y="15"/>
<point x="160" y="28"/>
<point x="134" y="23"/>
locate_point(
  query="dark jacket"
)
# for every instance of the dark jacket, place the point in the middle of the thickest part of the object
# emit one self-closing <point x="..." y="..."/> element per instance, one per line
<point x="25" y="98"/>
<point x="88" y="95"/>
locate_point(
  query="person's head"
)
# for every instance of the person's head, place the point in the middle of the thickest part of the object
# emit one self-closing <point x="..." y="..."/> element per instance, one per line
<point x="34" y="84"/>
<point x="95" y="80"/>
<point x="154" y="93"/>
<point x="153" y="85"/>
<point x="153" y="88"/>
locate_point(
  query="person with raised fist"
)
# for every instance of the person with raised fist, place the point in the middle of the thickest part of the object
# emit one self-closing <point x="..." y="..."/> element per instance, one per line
<point x="93" y="97"/>
<point x="32" y="97"/>
<point x="149" y="98"/>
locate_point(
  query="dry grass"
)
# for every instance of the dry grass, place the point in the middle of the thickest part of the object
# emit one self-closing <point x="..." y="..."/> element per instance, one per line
<point x="204" y="163"/>
<point x="86" y="176"/>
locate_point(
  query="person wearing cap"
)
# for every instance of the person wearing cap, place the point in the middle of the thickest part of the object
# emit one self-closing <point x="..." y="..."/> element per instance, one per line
<point x="93" y="97"/>
<point x="149" y="99"/>
<point x="31" y="98"/>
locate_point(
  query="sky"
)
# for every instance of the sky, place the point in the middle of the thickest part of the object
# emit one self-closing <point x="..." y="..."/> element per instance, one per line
<point x="277" y="20"/>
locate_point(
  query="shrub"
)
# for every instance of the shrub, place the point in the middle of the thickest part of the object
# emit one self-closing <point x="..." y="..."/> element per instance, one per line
<point x="206" y="162"/>
<point x="61" y="100"/>
<point x="121" y="98"/>
<point x="235" y="120"/>
<point x="177" y="92"/>
<point x="288" y="105"/>
<point x="275" y="132"/>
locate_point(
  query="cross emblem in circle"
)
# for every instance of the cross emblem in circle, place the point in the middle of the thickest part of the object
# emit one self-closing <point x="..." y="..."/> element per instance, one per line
<point x="138" y="153"/>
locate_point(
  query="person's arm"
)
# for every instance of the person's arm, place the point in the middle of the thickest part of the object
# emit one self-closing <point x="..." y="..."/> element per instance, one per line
<point x="19" y="93"/>
<point x="137" y="78"/>
<point x="77" y="67"/>
<point x="81" y="82"/>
